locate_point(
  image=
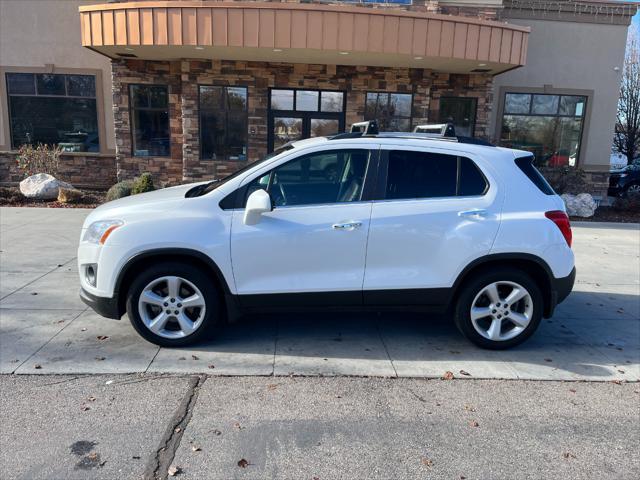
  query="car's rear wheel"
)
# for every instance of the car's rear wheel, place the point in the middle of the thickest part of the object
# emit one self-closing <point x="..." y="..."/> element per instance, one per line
<point x="174" y="304"/>
<point x="499" y="309"/>
<point x="632" y="189"/>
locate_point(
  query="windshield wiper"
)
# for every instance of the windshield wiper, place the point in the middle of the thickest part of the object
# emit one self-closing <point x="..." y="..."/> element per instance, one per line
<point x="199" y="190"/>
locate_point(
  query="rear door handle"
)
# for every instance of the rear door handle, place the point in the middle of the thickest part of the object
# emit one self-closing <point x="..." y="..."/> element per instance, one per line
<point x="346" y="226"/>
<point x="475" y="213"/>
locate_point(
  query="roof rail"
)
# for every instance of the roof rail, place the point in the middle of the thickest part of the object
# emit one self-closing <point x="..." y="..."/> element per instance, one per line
<point x="369" y="127"/>
<point x="441" y="129"/>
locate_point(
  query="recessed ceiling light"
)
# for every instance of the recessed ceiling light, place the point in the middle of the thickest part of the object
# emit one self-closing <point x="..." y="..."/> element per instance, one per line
<point x="277" y="49"/>
<point x="418" y="58"/>
<point x="343" y="53"/>
<point x="199" y="48"/>
<point x="129" y="49"/>
<point x="482" y="64"/>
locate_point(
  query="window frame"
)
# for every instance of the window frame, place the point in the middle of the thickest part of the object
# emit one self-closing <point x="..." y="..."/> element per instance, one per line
<point x="380" y="194"/>
<point x="368" y="188"/>
<point x="226" y="112"/>
<point x="586" y="117"/>
<point x="410" y="117"/>
<point x="99" y="97"/>
<point x="153" y="109"/>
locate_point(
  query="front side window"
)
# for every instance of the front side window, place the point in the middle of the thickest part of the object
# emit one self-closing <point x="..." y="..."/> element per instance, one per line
<point x="335" y="176"/>
<point x="415" y="175"/>
<point x="53" y="109"/>
<point x="223" y="123"/>
<point x="391" y="110"/>
<point x="549" y="126"/>
<point x="150" y="120"/>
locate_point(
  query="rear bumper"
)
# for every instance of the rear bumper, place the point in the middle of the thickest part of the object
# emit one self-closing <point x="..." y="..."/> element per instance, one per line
<point x="105" y="306"/>
<point x="560" y="290"/>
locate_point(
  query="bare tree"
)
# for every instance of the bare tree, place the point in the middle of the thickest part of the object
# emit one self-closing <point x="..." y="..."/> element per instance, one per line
<point x="627" y="135"/>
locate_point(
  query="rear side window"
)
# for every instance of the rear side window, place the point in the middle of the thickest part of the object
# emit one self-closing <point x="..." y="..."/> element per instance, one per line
<point x="526" y="165"/>
<point x="412" y="174"/>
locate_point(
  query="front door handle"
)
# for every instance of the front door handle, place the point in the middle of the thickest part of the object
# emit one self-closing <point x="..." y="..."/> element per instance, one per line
<point x="346" y="226"/>
<point x="475" y="213"/>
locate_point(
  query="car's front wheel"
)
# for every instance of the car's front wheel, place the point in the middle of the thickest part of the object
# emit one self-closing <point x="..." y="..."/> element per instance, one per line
<point x="173" y="304"/>
<point x="499" y="309"/>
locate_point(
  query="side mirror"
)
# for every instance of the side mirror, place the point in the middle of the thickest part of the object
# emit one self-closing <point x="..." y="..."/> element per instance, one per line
<point x="259" y="202"/>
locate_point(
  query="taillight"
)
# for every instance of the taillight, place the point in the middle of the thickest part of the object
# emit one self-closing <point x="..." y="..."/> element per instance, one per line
<point x="562" y="222"/>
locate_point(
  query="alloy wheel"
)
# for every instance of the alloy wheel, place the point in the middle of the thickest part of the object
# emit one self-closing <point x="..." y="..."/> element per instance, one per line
<point x="171" y="307"/>
<point x="501" y="311"/>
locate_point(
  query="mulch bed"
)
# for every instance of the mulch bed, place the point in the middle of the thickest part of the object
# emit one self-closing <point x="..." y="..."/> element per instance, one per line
<point x="11" y="197"/>
<point x="608" y="214"/>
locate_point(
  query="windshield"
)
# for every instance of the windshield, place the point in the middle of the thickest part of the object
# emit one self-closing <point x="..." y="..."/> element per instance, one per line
<point x="211" y="186"/>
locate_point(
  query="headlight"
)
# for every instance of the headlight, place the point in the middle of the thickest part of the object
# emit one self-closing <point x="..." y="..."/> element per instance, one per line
<point x="98" y="232"/>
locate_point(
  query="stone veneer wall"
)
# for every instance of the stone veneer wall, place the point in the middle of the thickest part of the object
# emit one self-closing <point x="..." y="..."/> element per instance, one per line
<point x="81" y="170"/>
<point x="183" y="78"/>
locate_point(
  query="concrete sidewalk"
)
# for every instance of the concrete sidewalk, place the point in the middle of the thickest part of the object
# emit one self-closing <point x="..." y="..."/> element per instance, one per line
<point x="138" y="426"/>
<point x="45" y="329"/>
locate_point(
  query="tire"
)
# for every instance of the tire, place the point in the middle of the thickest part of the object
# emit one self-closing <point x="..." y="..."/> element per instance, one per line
<point x="629" y="188"/>
<point x="513" y="324"/>
<point x="192" y="324"/>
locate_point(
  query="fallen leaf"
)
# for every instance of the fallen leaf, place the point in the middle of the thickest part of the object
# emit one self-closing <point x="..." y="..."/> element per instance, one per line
<point x="174" y="470"/>
<point x="92" y="456"/>
<point x="474" y="423"/>
<point x="34" y="293"/>
<point x="448" y="376"/>
<point x="568" y="455"/>
<point x="463" y="372"/>
<point x="84" y="408"/>
<point x="216" y="432"/>
<point x="195" y="357"/>
<point x="136" y="457"/>
<point x="195" y="449"/>
<point x="60" y="321"/>
<point x="83" y="329"/>
<point x="37" y="366"/>
<point x="620" y="371"/>
<point x="617" y="382"/>
<point x="100" y="358"/>
<point x="469" y="408"/>
<point x="242" y="463"/>
<point x="91" y="398"/>
<point x="177" y="429"/>
<point x="426" y="462"/>
<point x="181" y="358"/>
<point x="103" y="463"/>
<point x="572" y="390"/>
<point x="102" y="337"/>
<point x="238" y="426"/>
<point x="272" y="386"/>
<point x="211" y="366"/>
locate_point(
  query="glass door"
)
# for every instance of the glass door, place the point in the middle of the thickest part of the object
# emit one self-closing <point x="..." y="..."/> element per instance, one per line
<point x="298" y="114"/>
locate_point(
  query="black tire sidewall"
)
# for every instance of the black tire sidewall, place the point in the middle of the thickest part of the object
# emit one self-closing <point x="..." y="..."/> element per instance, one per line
<point x="213" y="314"/>
<point x="471" y="288"/>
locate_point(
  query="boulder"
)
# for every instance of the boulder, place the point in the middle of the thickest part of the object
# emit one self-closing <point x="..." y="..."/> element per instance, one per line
<point x="42" y="186"/>
<point x="69" y="195"/>
<point x="582" y="205"/>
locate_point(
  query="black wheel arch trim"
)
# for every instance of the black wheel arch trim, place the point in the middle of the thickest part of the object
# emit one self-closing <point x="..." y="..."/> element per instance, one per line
<point x="168" y="253"/>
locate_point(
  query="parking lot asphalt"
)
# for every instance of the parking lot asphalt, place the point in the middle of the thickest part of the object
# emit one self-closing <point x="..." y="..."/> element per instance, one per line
<point x="46" y="329"/>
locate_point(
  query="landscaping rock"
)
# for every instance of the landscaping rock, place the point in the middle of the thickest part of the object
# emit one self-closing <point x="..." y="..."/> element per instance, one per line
<point x="582" y="205"/>
<point x="69" y="195"/>
<point x="42" y="186"/>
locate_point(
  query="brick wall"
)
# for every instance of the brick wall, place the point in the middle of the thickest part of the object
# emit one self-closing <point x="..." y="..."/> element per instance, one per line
<point x="88" y="170"/>
<point x="183" y="78"/>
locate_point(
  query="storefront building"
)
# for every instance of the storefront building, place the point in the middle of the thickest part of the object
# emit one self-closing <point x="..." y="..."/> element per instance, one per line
<point x="191" y="90"/>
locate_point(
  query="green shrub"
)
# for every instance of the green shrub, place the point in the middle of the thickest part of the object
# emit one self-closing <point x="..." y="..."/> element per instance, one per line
<point x="119" y="190"/>
<point x="629" y="203"/>
<point x="142" y="184"/>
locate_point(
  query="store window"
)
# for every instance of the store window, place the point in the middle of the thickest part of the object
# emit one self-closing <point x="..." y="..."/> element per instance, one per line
<point x="150" y="120"/>
<point x="223" y="123"/>
<point x="549" y="126"/>
<point x="53" y="109"/>
<point x="391" y="110"/>
<point x="461" y="112"/>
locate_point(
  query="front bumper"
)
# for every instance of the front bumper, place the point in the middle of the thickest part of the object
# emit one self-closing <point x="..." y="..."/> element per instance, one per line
<point x="106" y="306"/>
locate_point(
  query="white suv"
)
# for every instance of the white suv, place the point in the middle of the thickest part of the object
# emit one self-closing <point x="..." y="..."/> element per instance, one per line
<point x="397" y="221"/>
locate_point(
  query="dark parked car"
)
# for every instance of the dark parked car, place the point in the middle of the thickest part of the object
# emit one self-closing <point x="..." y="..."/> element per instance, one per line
<point x="625" y="180"/>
